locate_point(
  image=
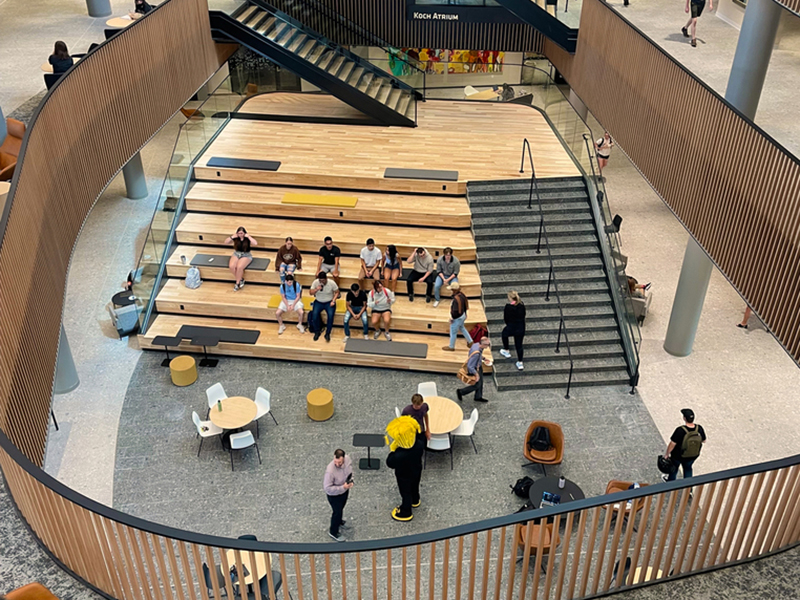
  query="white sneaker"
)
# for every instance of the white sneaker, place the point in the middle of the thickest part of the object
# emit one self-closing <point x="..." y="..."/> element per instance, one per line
<point x="388" y="336"/>
<point x="435" y="303"/>
<point x="377" y="335"/>
<point x="366" y="337"/>
<point x="281" y="329"/>
<point x="505" y="353"/>
<point x="347" y="337"/>
<point x="300" y="328"/>
<point x="520" y="366"/>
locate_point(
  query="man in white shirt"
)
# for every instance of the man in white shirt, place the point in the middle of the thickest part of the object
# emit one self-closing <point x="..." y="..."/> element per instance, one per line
<point x="371" y="258"/>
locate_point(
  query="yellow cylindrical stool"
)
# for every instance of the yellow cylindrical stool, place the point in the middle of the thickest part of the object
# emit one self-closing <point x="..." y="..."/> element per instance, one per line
<point x="183" y="370"/>
<point x="320" y="404"/>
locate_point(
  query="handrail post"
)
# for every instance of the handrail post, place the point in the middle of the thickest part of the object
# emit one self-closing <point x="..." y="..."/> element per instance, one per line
<point x="558" y="340"/>
<point x="539" y="242"/>
<point x="569" y="381"/>
<point x="549" y="278"/>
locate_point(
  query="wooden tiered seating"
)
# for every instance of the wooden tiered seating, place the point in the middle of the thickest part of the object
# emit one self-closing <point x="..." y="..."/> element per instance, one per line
<point x="218" y="299"/>
<point x="348" y="266"/>
<point x="371" y="207"/>
<point x="292" y="345"/>
<point x="199" y="228"/>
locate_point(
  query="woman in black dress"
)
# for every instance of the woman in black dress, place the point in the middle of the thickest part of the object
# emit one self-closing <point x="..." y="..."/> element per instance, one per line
<point x="514" y="317"/>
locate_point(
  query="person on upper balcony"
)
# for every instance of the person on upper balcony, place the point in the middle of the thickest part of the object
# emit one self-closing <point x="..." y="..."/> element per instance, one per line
<point x="140" y="9"/>
<point x="60" y="58"/>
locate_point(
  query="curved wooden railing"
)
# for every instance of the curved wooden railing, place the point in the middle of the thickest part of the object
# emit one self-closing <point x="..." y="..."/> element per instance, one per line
<point x="81" y="135"/>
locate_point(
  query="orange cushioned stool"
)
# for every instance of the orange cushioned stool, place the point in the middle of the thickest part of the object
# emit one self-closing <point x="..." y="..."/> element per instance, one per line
<point x="32" y="591"/>
<point x="183" y="370"/>
<point x="320" y="404"/>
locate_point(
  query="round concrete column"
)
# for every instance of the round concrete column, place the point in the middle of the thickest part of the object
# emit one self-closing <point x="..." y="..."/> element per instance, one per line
<point x="99" y="8"/>
<point x="66" y="374"/>
<point x="135" y="181"/>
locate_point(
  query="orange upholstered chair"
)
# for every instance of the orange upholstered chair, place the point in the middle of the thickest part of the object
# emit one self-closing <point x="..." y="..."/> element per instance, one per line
<point x="9" y="151"/>
<point x="549" y="542"/>
<point x="622" y="508"/>
<point x="32" y="591"/>
<point x="554" y="455"/>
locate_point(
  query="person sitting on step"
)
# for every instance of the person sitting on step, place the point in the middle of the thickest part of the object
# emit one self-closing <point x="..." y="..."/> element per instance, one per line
<point x="371" y="258"/>
<point x="380" y="302"/>
<point x="392" y="267"/>
<point x="325" y="292"/>
<point x="422" y="272"/>
<point x="447" y="269"/>
<point x="289" y="259"/>
<point x="356" y="309"/>
<point x="242" y="257"/>
<point x="291" y="300"/>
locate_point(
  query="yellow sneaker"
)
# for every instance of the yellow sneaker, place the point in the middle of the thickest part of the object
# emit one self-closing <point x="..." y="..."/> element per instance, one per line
<point x="396" y="518"/>
<point x="417" y="504"/>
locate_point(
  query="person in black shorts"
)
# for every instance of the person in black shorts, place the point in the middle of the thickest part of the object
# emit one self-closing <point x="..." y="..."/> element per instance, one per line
<point x="695" y="7"/>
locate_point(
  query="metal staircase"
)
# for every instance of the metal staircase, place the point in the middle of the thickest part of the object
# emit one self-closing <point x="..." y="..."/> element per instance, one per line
<point x="332" y="68"/>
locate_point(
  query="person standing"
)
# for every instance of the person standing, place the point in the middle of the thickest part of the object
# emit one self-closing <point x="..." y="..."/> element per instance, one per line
<point x="696" y="8"/>
<point x="447" y="269"/>
<point x="405" y="457"/>
<point x="419" y="410"/>
<point x="474" y="367"/>
<point x="514" y="318"/>
<point x="288" y="259"/>
<point x="423" y="269"/>
<point x="329" y="259"/>
<point x="458" y="314"/>
<point x="684" y="446"/>
<point x="603" y="147"/>
<point x="356" y="309"/>
<point x="325" y="293"/>
<point x="337" y="483"/>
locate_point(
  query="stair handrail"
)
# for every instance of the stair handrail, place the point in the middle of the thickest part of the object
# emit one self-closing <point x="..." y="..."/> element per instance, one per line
<point x="551" y="276"/>
<point x="360" y="61"/>
<point x="629" y="334"/>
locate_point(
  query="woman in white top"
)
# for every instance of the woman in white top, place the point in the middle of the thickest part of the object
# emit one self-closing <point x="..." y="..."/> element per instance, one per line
<point x="603" y="147"/>
<point x="380" y="300"/>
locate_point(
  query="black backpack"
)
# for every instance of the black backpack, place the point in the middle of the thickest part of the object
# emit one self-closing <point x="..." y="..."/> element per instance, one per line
<point x="522" y="487"/>
<point x="540" y="439"/>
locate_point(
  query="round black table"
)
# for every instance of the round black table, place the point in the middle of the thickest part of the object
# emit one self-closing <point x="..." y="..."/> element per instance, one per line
<point x="123" y="298"/>
<point x="570" y="491"/>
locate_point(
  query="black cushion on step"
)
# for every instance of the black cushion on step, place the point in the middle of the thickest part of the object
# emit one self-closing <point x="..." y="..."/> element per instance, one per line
<point x="221" y="261"/>
<point x="223" y="334"/>
<point x="243" y="163"/>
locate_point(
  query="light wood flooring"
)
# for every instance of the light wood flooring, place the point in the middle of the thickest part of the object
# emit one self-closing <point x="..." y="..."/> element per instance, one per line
<point x="287" y="104"/>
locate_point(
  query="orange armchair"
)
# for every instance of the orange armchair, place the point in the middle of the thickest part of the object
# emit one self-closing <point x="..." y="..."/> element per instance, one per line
<point x="9" y="151"/>
<point x="549" y="541"/>
<point x="554" y="455"/>
<point x="614" y="486"/>
<point x="32" y="591"/>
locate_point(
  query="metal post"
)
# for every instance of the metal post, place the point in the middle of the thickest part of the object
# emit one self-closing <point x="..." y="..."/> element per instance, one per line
<point x="135" y="182"/>
<point x="549" y="277"/>
<point x="569" y="381"/>
<point x="539" y="243"/>
<point x="558" y="340"/>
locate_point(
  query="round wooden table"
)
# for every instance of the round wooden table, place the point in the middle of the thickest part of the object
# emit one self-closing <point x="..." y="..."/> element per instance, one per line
<point x="444" y="415"/>
<point x="261" y="564"/>
<point x="237" y="411"/>
<point x="119" y="22"/>
<point x="47" y="67"/>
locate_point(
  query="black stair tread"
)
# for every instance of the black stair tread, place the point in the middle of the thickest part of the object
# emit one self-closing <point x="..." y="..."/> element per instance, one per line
<point x="534" y="301"/>
<point x="503" y="253"/>
<point x="528" y="380"/>
<point x="579" y="351"/>
<point x="561" y="183"/>
<point x="485" y="221"/>
<point x="525" y="229"/>
<point x="537" y="277"/>
<point x="529" y="290"/>
<point x="521" y="210"/>
<point x="507" y="367"/>
<point x="534" y="337"/>
<point x="478" y="200"/>
<point x="524" y="263"/>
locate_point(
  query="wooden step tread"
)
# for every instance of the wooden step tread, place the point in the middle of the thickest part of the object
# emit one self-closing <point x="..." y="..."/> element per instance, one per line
<point x="348" y="266"/>
<point x="307" y="235"/>
<point x="292" y="345"/>
<point x="218" y="299"/>
<point x="375" y="207"/>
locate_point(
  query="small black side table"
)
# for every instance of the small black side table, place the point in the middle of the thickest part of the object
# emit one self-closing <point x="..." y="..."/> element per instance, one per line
<point x="370" y="440"/>
<point x="568" y="493"/>
<point x="210" y="342"/>
<point x="168" y="342"/>
<point x="123" y="298"/>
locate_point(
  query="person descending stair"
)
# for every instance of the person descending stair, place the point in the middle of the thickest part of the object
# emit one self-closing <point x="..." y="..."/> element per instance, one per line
<point x="514" y="318"/>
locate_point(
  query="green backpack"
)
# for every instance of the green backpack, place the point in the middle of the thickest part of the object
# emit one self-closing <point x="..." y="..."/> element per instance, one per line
<point x="692" y="443"/>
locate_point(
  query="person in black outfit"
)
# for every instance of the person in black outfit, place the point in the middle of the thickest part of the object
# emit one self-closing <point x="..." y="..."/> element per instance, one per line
<point x="407" y="464"/>
<point x="60" y="58"/>
<point x="141" y="8"/>
<point x="684" y="446"/>
<point x="514" y="317"/>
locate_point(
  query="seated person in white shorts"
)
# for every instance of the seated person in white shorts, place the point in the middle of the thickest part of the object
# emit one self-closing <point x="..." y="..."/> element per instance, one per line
<point x="371" y="259"/>
<point x="291" y="300"/>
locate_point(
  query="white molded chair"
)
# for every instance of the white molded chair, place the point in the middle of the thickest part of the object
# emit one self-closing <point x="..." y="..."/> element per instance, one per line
<point x="242" y="440"/>
<point x="398" y="412"/>
<point x="467" y="428"/>
<point x="214" y="393"/>
<point x="469" y="91"/>
<point x="439" y="443"/>
<point x="204" y="429"/>
<point x="427" y="389"/>
<point x="262" y="403"/>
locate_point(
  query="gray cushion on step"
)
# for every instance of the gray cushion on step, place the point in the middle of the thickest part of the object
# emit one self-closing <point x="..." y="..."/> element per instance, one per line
<point x="236" y="336"/>
<point x="219" y="260"/>
<point x="394" y="173"/>
<point x="243" y="163"/>
<point x="384" y="348"/>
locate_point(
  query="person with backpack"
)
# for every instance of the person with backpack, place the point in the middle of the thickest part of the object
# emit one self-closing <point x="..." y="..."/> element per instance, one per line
<point x="684" y="446"/>
<point x="472" y="372"/>
<point x="291" y="300"/>
<point x="458" y="314"/>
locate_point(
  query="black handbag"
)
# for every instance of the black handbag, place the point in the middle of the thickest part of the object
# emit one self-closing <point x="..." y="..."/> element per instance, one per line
<point x="665" y="465"/>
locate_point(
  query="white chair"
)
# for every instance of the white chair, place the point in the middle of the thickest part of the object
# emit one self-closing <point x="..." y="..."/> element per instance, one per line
<point x="262" y="403"/>
<point x="439" y="443"/>
<point x="204" y="429"/>
<point x="467" y="428"/>
<point x="427" y="389"/>
<point x="242" y="440"/>
<point x="469" y="91"/>
<point x="397" y="412"/>
<point x="214" y="393"/>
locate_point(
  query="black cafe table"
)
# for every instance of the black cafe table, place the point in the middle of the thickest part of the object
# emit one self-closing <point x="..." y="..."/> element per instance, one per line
<point x="370" y="440"/>
<point x="568" y="493"/>
<point x="123" y="298"/>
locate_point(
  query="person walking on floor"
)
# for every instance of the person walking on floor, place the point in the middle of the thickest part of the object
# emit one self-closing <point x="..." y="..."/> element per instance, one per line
<point x="684" y="446"/>
<point x="458" y="314"/>
<point x="474" y="372"/>
<point x="514" y="318"/>
<point x="603" y="148"/>
<point x="422" y="272"/>
<point x="696" y="8"/>
<point x="419" y="410"/>
<point x="405" y="457"/>
<point x="337" y="483"/>
<point x="447" y="269"/>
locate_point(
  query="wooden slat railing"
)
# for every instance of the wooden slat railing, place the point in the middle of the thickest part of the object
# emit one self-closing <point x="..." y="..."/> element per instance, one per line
<point x="688" y="142"/>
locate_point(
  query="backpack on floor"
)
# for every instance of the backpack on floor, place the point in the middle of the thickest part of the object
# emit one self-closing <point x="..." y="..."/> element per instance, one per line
<point x="522" y="487"/>
<point x="478" y="332"/>
<point x="540" y="439"/>
<point x="193" y="280"/>
<point x="692" y="442"/>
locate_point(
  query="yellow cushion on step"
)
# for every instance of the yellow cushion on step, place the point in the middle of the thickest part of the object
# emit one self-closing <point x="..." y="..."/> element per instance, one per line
<point x="317" y="200"/>
<point x="275" y="302"/>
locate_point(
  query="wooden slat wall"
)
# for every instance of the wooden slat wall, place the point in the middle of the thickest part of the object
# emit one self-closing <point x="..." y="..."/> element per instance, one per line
<point x="735" y="190"/>
<point x="387" y="20"/>
<point x="792" y="5"/>
<point x="98" y="116"/>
